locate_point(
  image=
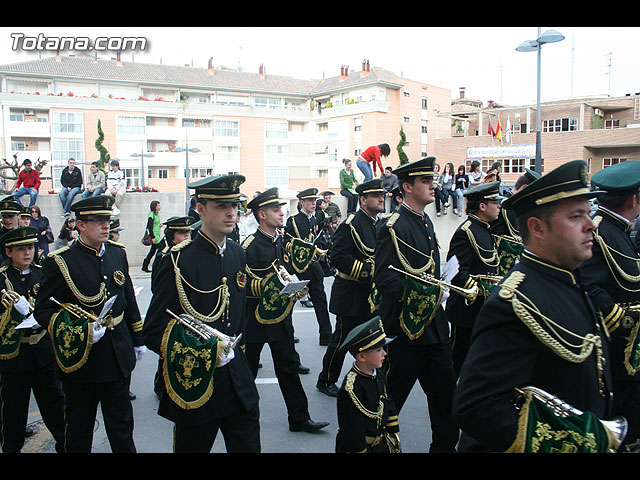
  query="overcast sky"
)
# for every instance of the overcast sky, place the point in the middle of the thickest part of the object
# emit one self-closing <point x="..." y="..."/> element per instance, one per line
<point x="589" y="61"/>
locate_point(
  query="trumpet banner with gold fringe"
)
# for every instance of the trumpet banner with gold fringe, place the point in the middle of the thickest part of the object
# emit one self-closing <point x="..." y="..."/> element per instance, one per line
<point x="542" y="431"/>
<point x="71" y="340"/>
<point x="509" y="253"/>
<point x="273" y="306"/>
<point x="420" y="304"/>
<point x="189" y="363"/>
<point x="301" y="254"/>
<point x="9" y="336"/>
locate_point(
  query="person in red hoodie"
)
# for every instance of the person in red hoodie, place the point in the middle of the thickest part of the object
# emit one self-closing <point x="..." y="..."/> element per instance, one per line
<point x="372" y="157"/>
<point x="28" y="183"/>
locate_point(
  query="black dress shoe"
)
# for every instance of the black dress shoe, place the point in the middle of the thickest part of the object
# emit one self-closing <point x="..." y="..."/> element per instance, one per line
<point x="307" y="426"/>
<point x="330" y="389"/>
<point x="296" y="340"/>
<point x="303" y="370"/>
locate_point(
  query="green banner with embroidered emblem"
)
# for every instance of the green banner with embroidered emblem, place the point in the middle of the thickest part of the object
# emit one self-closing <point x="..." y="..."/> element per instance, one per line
<point x="188" y="368"/>
<point x="272" y="306"/>
<point x="509" y="252"/>
<point x="71" y="340"/>
<point x="542" y="431"/>
<point x="420" y="304"/>
<point x="632" y="350"/>
<point x="301" y="254"/>
<point x="9" y="336"/>
<point x="374" y="297"/>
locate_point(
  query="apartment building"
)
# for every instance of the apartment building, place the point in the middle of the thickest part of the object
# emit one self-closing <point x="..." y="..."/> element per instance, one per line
<point x="169" y="124"/>
<point x="601" y="130"/>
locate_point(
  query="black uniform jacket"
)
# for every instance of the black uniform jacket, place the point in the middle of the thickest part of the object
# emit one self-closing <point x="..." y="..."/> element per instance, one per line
<point x="604" y="277"/>
<point x="306" y="228"/>
<point x="112" y="357"/>
<point x="30" y="357"/>
<point x="262" y="250"/>
<point x="353" y="255"/>
<point x="202" y="267"/>
<point x="418" y="243"/>
<point x="505" y="353"/>
<point x="470" y="263"/>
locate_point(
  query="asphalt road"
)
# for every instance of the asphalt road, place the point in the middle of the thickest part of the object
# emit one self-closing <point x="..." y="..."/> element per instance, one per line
<point x="153" y="434"/>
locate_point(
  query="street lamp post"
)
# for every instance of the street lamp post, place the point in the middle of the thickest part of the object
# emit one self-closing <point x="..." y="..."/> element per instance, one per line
<point x="142" y="156"/>
<point x="550" y="36"/>
<point x="186" y="149"/>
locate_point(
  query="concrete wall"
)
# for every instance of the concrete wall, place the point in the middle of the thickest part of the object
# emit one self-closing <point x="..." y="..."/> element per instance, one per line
<point x="135" y="208"/>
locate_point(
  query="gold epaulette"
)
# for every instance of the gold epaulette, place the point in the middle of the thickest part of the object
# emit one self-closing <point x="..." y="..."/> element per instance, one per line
<point x="166" y="249"/>
<point x="465" y="225"/>
<point x="392" y="219"/>
<point x="247" y="241"/>
<point x="4" y="268"/>
<point x="117" y="244"/>
<point x="58" y="251"/>
<point x="349" y="218"/>
<point x="181" y="245"/>
<point x="596" y="220"/>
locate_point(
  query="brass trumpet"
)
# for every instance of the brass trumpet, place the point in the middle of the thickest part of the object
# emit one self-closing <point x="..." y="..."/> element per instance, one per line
<point x="617" y="427"/>
<point x="489" y="278"/>
<point x="79" y="312"/>
<point x="470" y="294"/>
<point x="204" y="331"/>
<point x="11" y="297"/>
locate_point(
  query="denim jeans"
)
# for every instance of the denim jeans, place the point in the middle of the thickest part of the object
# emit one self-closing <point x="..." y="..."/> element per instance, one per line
<point x="66" y="197"/>
<point x="95" y="193"/>
<point x="365" y="168"/>
<point x="33" y="193"/>
<point x="458" y="192"/>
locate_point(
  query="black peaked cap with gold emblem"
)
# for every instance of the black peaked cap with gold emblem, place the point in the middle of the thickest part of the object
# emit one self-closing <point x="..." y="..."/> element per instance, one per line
<point x="25" y="212"/>
<point x="19" y="236"/>
<point x="567" y="181"/>
<point x="484" y="191"/>
<point x="222" y="188"/>
<point x="268" y="198"/>
<point x="98" y="205"/>
<point x="365" y="336"/>
<point x="114" y="226"/>
<point x="619" y="179"/>
<point x="8" y="205"/>
<point x="308" y="193"/>
<point x="372" y="186"/>
<point x="424" y="166"/>
<point x="531" y="175"/>
<point x="179" y="223"/>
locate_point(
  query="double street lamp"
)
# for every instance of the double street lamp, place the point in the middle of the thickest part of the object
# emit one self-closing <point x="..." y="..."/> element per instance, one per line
<point x="186" y="175"/>
<point x="550" y="36"/>
<point x="142" y="156"/>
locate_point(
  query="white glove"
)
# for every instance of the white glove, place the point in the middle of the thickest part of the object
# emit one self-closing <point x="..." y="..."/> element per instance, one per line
<point x="22" y="305"/>
<point x="224" y="358"/>
<point x="139" y="351"/>
<point x="97" y="332"/>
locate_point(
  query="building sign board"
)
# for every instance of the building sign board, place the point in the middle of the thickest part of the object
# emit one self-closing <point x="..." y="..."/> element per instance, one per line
<point x="502" y="151"/>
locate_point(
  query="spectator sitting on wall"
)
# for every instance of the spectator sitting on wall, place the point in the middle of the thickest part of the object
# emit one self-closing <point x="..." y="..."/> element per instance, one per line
<point x="28" y="183"/>
<point x="71" y="181"/>
<point x="95" y="182"/>
<point x="389" y="182"/>
<point x="116" y="185"/>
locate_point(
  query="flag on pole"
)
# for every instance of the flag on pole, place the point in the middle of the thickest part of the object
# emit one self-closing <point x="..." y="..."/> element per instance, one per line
<point x="498" y="132"/>
<point x="508" y="132"/>
<point x="491" y="132"/>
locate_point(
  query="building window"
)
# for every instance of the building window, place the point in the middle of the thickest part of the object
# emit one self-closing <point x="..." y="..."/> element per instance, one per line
<point x="276" y="130"/>
<point x="66" y="122"/>
<point x="276" y="176"/>
<point x="424" y="103"/>
<point x="612" y="123"/>
<point x="560" y="125"/>
<point x="16" y="117"/>
<point x="405" y="119"/>
<point x="226" y="128"/>
<point x="267" y="102"/>
<point x="163" y="173"/>
<point x="131" y="125"/>
<point x="607" y="162"/>
<point x="424" y="126"/>
<point x="132" y="177"/>
<point x="18" y="146"/>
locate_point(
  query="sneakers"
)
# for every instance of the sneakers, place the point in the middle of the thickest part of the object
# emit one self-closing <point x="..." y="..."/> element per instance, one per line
<point x="115" y="211"/>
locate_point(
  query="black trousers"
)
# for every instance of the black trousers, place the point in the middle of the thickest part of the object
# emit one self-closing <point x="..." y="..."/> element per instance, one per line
<point x="152" y="252"/>
<point x="15" y="393"/>
<point x="626" y="402"/>
<point x="460" y="347"/>
<point x="432" y="367"/>
<point x="352" y="200"/>
<point x="286" y="369"/>
<point x="82" y="401"/>
<point x="319" y="299"/>
<point x="333" y="359"/>
<point x="241" y="433"/>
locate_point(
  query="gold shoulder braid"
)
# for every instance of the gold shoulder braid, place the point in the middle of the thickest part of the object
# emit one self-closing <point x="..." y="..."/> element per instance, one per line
<point x="510" y="293"/>
<point x="493" y="260"/>
<point x="90" y="302"/>
<point x="613" y="265"/>
<point x="377" y="416"/>
<point x="360" y="245"/>
<point x="222" y="304"/>
<point x="430" y="265"/>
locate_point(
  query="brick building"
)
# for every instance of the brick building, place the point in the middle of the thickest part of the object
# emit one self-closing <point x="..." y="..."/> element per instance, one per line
<point x="275" y="130"/>
<point x="600" y="130"/>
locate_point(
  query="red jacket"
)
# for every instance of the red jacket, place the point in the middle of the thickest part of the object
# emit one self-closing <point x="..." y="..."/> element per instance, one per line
<point x="372" y="155"/>
<point x="30" y="179"/>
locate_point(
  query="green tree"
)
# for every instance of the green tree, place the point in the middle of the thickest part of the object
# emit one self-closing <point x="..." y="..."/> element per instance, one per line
<point x="403" y="139"/>
<point x="103" y="161"/>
